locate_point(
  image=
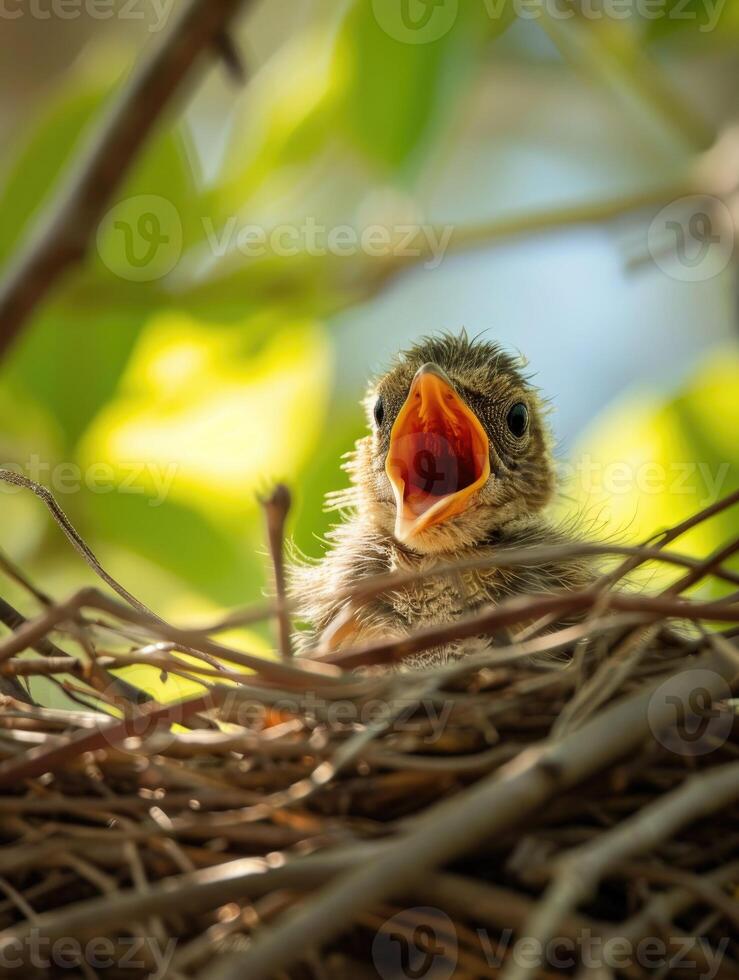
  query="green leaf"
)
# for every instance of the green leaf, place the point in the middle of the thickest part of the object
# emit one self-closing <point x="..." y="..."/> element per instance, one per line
<point x="649" y="463"/>
<point x="70" y="362"/>
<point x="284" y="119"/>
<point x="403" y="80"/>
<point x="179" y="540"/>
<point x="34" y="171"/>
<point x="70" y="356"/>
<point x="197" y="402"/>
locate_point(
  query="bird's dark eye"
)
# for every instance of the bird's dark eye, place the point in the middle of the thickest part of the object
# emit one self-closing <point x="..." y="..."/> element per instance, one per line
<point x="379" y="412"/>
<point x="518" y="419"/>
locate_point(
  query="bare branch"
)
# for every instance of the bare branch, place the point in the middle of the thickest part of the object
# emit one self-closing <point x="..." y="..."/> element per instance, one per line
<point x="61" y="236"/>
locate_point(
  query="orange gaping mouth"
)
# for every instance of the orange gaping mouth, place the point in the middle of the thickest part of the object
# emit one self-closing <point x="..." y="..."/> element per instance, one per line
<point x="438" y="457"/>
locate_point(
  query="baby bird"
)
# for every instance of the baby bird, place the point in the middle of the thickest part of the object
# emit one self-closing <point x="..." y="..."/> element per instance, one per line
<point x="457" y="466"/>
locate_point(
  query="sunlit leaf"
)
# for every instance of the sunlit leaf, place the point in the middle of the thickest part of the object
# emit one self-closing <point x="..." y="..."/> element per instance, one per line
<point x="284" y="118"/>
<point x="648" y="463"/>
<point x="70" y="362"/>
<point x="217" y="422"/>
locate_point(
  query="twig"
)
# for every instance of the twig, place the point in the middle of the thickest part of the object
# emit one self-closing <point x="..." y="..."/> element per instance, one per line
<point x="276" y="508"/>
<point x="195" y="891"/>
<point x="668" y="905"/>
<point x="18" y="575"/>
<point x="375" y="585"/>
<point x="579" y="871"/>
<point x="520" y="609"/>
<point x="72" y="534"/>
<point x="62" y="235"/>
<point x="226" y="47"/>
<point x="703" y="888"/>
<point x="26" y="636"/>
<point x="38" y="761"/>
<point x="44" y="646"/>
<point x="487" y="809"/>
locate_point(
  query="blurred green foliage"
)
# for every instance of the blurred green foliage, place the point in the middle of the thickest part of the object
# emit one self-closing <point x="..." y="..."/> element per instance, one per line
<point x="195" y="389"/>
<point x="650" y="462"/>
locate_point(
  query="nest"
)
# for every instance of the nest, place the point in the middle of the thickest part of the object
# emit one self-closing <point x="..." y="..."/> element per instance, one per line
<point x="514" y="814"/>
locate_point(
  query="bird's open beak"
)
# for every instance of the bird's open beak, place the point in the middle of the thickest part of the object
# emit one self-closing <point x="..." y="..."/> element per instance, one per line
<point x="438" y="456"/>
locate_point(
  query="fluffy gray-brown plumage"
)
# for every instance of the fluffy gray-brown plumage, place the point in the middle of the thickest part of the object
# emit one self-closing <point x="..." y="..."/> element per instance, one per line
<point x="457" y="466"/>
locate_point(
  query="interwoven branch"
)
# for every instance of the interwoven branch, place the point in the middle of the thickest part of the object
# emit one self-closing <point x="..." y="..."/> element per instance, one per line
<point x="506" y="789"/>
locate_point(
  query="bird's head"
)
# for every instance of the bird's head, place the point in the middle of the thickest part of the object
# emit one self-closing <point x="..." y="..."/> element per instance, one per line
<point x="458" y="446"/>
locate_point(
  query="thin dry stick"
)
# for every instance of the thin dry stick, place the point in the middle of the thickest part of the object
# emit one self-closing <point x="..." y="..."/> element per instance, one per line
<point x="30" y="632"/>
<point x="18" y="576"/>
<point x="490" y="807"/>
<point x="703" y="889"/>
<point x="666" y="906"/>
<point x="375" y="585"/>
<point x="276" y="508"/>
<point x="613" y="671"/>
<point x="61" y="236"/>
<point x="111" y="732"/>
<point x="73" y="536"/>
<point x="347" y="753"/>
<point x="193" y="892"/>
<point x="524" y="608"/>
<point x="658" y="541"/>
<point x="578" y="873"/>
<point x="671" y="534"/>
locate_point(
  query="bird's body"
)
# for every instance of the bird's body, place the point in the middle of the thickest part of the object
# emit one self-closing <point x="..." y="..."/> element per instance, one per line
<point x="448" y="413"/>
